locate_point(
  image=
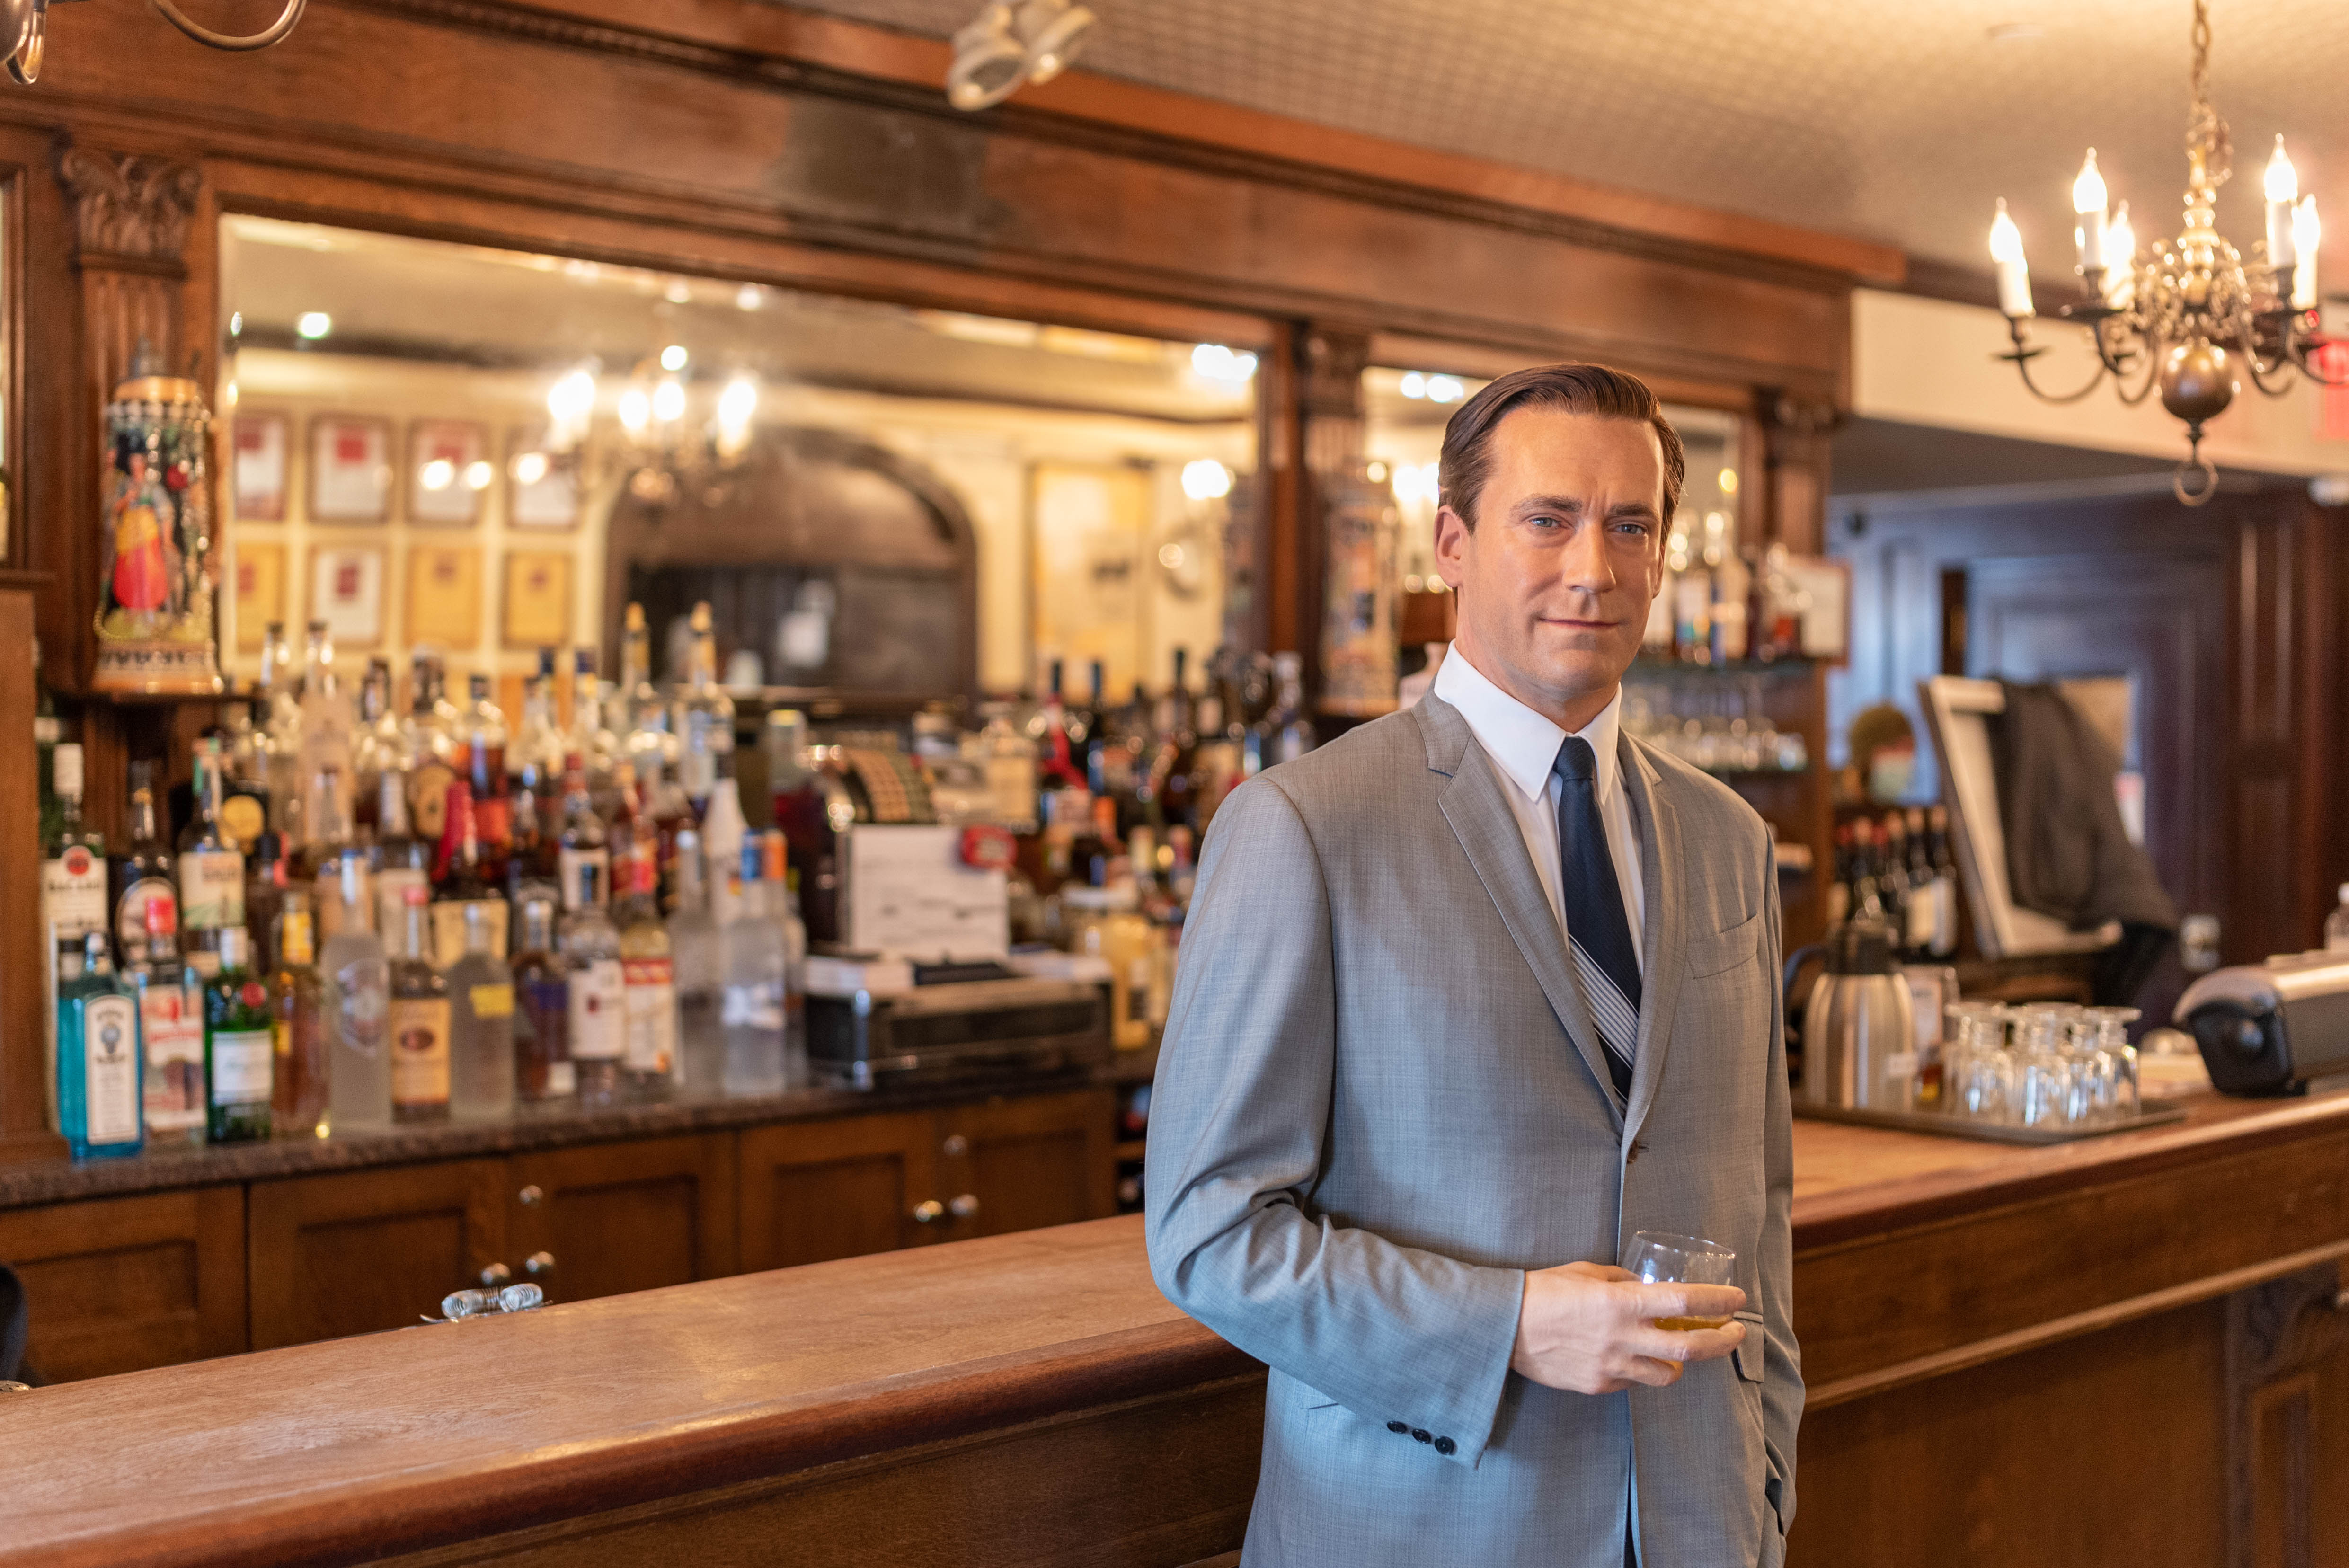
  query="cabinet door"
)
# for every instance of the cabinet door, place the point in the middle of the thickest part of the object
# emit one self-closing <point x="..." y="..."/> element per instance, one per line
<point x="116" y="1285"/>
<point x="369" y="1250"/>
<point x="1016" y="1164"/>
<point x="818" y="1190"/>
<point x="614" y="1217"/>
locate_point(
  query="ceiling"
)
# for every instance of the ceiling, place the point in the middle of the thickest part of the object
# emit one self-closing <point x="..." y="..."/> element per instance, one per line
<point x="1899" y="121"/>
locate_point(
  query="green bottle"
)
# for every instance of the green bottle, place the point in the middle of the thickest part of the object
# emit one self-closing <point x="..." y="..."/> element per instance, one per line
<point x="240" y="1047"/>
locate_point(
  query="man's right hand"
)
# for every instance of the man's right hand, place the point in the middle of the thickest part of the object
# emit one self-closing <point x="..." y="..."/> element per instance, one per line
<point x="1590" y="1328"/>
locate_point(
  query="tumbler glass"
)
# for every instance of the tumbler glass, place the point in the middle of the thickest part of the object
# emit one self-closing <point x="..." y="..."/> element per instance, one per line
<point x="2117" y="1092"/>
<point x="1661" y="1257"/>
<point x="1977" y="1072"/>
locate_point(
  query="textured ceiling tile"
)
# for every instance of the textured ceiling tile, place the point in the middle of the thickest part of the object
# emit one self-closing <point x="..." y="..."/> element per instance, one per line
<point x="1899" y="120"/>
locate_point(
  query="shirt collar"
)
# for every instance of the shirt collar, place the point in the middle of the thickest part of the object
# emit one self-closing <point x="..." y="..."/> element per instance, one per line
<point x="1522" y="743"/>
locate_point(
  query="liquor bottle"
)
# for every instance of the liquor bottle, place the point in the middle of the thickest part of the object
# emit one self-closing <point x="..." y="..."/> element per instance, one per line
<point x="754" y="948"/>
<point x="73" y="900"/>
<point x="144" y="869"/>
<point x="1691" y="608"/>
<point x="322" y="750"/>
<point x="586" y="847"/>
<point x="648" y="982"/>
<point x="267" y="876"/>
<point x="428" y="744"/>
<point x="597" y="1011"/>
<point x="723" y="834"/>
<point x="170" y="999"/>
<point x="99" y="1072"/>
<point x="485" y="761"/>
<point x="1840" y="904"/>
<point x="1059" y="759"/>
<point x="542" y="1068"/>
<point x="813" y="810"/>
<point x="1867" y="898"/>
<point x="418" y="1021"/>
<point x="644" y="716"/>
<point x="240" y="1046"/>
<point x="1944" y="941"/>
<point x="375" y="744"/>
<point x="399" y="860"/>
<point x="331" y="840"/>
<point x="591" y="745"/>
<point x="1292" y="726"/>
<point x="704" y="717"/>
<point x="535" y="781"/>
<point x="211" y="870"/>
<point x="699" y="978"/>
<point x="783" y="903"/>
<point x="297" y="1025"/>
<point x="1917" y="876"/>
<point x="468" y="882"/>
<point x="1732" y="633"/>
<point x="662" y="802"/>
<point x="1171" y="779"/>
<point x="277" y="714"/>
<point x="624" y="835"/>
<point x="1892" y="877"/>
<point x="356" y="986"/>
<point x="480" y="1022"/>
<point x="1085" y="726"/>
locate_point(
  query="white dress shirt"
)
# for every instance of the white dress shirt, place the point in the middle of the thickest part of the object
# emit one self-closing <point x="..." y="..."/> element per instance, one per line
<point x="1524" y="746"/>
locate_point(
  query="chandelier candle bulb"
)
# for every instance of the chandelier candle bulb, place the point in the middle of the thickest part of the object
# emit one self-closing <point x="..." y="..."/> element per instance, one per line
<point x="2088" y="202"/>
<point x="2284" y="194"/>
<point x="2305" y="235"/>
<point x="2120" y="260"/>
<point x="2013" y="272"/>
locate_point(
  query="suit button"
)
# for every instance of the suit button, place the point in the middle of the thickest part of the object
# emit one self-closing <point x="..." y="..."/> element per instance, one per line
<point x="1398" y="1426"/>
<point x="1446" y="1447"/>
<point x="1420" y="1435"/>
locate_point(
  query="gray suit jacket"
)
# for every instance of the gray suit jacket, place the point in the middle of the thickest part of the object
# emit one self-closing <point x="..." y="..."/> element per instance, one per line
<point x="1381" y="1100"/>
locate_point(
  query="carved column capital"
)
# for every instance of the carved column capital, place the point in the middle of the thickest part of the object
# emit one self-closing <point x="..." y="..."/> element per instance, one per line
<point x="130" y="207"/>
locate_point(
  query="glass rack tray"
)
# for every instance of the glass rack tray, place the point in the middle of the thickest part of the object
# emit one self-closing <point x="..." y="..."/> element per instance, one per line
<point x="1941" y="1124"/>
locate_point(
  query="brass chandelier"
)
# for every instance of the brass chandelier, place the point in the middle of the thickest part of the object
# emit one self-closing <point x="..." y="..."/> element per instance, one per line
<point x="2184" y="317"/>
<point x="24" y="32"/>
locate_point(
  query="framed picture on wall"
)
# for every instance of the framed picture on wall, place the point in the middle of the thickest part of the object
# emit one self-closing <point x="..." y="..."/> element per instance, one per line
<point x="260" y="596"/>
<point x="538" y="599"/>
<point x="444" y="594"/>
<point x="1827" y="622"/>
<point x="261" y="467"/>
<point x="346" y="592"/>
<point x="448" y="469"/>
<point x="350" y="469"/>
<point x="543" y="492"/>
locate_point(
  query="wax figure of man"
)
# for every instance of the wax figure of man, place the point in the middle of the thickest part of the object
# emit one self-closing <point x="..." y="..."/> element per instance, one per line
<point x="1467" y="998"/>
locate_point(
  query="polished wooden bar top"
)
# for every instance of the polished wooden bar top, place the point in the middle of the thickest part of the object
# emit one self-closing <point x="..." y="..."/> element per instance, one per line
<point x="354" y="1448"/>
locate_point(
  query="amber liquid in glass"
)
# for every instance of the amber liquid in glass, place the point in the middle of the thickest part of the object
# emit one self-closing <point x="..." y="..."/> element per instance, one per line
<point x="1690" y="1325"/>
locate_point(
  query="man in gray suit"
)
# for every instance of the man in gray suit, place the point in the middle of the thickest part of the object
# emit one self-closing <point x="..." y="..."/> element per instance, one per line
<point x="1467" y="998"/>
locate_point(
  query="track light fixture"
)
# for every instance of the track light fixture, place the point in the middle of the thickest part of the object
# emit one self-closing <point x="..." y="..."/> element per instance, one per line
<point x="1008" y="44"/>
<point x="24" y="28"/>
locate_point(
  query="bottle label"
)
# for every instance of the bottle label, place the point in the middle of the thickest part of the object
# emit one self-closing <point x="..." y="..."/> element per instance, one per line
<point x="651" y="987"/>
<point x="242" y="817"/>
<point x="295" y="947"/>
<point x="172" y="1018"/>
<point x="73" y="890"/>
<point x="427" y="799"/>
<point x="362" y="991"/>
<point x="570" y="863"/>
<point x="598" y="1011"/>
<point x="449" y="928"/>
<point x="211" y="890"/>
<point x="131" y="917"/>
<point x="419" y="1051"/>
<point x="491" y="1001"/>
<point x="753" y="1006"/>
<point x="110" y="1087"/>
<point x="240" y="1066"/>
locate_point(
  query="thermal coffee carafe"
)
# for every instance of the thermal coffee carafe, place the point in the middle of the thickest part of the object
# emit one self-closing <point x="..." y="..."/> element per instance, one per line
<point x="1858" y="1024"/>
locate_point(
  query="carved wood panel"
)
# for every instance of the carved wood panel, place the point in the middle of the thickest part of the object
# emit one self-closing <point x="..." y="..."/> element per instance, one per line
<point x="2280" y="1338"/>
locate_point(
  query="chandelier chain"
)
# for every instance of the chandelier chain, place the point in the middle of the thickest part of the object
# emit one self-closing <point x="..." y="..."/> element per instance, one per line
<point x="2206" y="133"/>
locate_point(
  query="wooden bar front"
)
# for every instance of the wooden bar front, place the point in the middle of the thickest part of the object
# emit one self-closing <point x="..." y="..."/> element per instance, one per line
<point x="2128" y="1351"/>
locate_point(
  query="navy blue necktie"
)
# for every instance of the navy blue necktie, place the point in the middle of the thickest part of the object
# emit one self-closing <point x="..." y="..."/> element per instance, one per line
<point x="1596" y="932"/>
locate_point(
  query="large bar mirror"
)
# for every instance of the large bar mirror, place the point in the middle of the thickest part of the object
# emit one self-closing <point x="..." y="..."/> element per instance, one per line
<point x="486" y="452"/>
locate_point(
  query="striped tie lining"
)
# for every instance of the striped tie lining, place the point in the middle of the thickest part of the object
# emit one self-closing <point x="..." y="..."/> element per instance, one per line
<point x="1617" y="1020"/>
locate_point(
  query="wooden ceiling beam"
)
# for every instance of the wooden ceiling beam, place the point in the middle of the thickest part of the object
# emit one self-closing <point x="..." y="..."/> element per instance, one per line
<point x="857" y="49"/>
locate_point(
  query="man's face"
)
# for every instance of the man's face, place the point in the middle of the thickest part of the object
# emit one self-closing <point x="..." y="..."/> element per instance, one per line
<point x="1555" y="578"/>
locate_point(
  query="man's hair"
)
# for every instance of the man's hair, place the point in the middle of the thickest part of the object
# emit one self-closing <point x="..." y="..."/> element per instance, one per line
<point x="1468" y="458"/>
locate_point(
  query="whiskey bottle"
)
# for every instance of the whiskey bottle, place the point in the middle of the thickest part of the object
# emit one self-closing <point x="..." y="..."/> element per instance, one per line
<point x="418" y="1022"/>
<point x="141" y="872"/>
<point x="648" y="983"/>
<point x="297" y="1025"/>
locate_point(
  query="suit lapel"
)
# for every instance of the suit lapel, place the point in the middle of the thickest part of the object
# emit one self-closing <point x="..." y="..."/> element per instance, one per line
<point x="1487" y="829"/>
<point x="1664" y="942"/>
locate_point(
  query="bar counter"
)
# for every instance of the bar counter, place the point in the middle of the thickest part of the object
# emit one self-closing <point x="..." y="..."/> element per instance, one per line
<point x="2132" y="1349"/>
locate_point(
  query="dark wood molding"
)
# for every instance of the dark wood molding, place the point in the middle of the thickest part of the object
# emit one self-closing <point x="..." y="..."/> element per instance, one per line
<point x="2276" y="1336"/>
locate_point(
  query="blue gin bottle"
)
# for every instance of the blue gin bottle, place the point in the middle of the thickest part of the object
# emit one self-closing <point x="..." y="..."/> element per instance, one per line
<point x="99" y="1069"/>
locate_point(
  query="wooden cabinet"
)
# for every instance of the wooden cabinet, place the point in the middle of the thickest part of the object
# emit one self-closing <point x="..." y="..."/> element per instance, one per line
<point x="819" y="1190"/>
<point x="369" y="1250"/>
<point x="609" y="1218"/>
<point x="1019" y="1164"/>
<point x="116" y="1285"/>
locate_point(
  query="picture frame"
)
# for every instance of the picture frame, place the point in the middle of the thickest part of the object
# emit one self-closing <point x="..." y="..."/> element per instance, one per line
<point x="443" y="595"/>
<point x="449" y="471"/>
<point x="261" y="464"/>
<point x="538" y="593"/>
<point x="346" y="592"/>
<point x="350" y="469"/>
<point x="1827" y="625"/>
<point x="258" y="589"/>
<point x="539" y="497"/>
